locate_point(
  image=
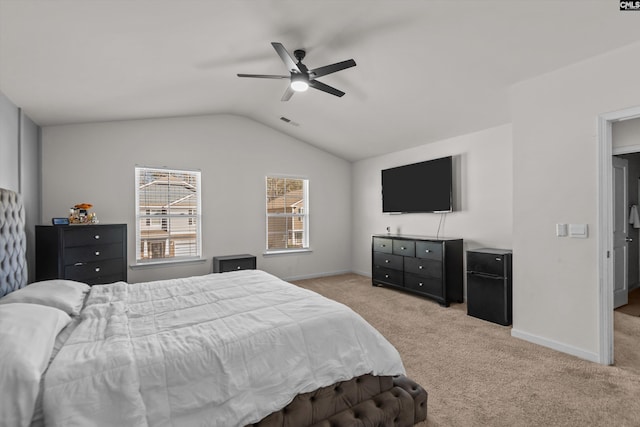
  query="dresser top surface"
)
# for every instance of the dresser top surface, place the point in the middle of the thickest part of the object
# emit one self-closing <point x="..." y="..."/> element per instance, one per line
<point x="227" y="257"/>
<point x="81" y="225"/>
<point x="415" y="237"/>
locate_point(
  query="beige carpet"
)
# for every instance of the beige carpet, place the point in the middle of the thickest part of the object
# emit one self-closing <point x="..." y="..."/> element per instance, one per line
<point x="633" y="306"/>
<point x="478" y="375"/>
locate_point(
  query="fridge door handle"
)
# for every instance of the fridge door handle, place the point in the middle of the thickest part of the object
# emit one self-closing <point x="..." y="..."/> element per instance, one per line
<point x="485" y="275"/>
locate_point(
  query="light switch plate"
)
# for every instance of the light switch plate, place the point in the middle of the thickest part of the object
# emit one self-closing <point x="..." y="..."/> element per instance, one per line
<point x="561" y="230"/>
<point x="578" y="230"/>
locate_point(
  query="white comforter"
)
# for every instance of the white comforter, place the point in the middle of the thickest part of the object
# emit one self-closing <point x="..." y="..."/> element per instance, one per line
<point x="217" y="350"/>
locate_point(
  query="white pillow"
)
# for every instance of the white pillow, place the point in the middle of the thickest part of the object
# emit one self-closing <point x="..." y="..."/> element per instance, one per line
<point x="66" y="295"/>
<point x="27" y="335"/>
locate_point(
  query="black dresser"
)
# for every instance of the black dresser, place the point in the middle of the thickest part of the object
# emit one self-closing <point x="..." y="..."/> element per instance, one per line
<point x="93" y="254"/>
<point x="425" y="266"/>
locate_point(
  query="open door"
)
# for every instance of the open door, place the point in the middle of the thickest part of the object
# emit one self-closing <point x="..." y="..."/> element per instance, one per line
<point x="620" y="232"/>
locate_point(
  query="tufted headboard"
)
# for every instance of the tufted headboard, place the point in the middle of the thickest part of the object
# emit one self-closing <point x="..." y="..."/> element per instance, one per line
<point x="13" y="243"/>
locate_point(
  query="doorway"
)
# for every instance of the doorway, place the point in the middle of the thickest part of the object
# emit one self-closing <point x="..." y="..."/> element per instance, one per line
<point x="626" y="220"/>
<point x="606" y="266"/>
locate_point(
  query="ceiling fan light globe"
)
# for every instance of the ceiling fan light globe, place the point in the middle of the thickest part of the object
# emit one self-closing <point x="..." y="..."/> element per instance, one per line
<point x="299" y="85"/>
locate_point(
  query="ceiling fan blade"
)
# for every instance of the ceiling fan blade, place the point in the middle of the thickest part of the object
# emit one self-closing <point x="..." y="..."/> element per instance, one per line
<point x="288" y="93"/>
<point x="325" y="88"/>
<point x="264" y="76"/>
<point x="286" y="57"/>
<point x="328" y="69"/>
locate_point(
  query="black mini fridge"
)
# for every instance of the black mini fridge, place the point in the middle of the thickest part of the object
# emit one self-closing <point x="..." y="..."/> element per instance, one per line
<point x="489" y="285"/>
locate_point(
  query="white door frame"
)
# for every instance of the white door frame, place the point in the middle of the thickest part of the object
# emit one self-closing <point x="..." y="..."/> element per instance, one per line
<point x="605" y="227"/>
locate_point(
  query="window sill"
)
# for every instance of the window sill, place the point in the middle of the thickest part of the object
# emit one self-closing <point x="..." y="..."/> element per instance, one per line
<point x="287" y="252"/>
<point x="167" y="263"/>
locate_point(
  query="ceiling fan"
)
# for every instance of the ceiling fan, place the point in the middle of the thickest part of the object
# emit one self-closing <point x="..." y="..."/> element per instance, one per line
<point x="301" y="78"/>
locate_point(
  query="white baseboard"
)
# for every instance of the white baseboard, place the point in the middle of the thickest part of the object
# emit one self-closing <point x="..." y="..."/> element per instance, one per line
<point x="315" y="276"/>
<point x="363" y="273"/>
<point x="555" y="345"/>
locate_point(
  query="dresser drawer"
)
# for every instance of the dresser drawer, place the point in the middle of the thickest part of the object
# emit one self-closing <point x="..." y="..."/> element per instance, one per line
<point x="404" y="247"/>
<point x="426" y="285"/>
<point x="387" y="275"/>
<point x="431" y="250"/>
<point x="92" y="253"/>
<point x="83" y="235"/>
<point x="93" y="272"/>
<point x="387" y="260"/>
<point x="381" y="244"/>
<point x="423" y="267"/>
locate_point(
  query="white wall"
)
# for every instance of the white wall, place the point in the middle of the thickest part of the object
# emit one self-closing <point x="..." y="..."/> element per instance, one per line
<point x="20" y="167"/>
<point x="95" y="162"/>
<point x="555" y="180"/>
<point x="30" y="184"/>
<point x="9" y="145"/>
<point x="482" y="176"/>
<point x="626" y="134"/>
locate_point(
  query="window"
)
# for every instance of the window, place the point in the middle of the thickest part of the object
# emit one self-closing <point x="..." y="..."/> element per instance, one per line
<point x="287" y="213"/>
<point x="167" y="215"/>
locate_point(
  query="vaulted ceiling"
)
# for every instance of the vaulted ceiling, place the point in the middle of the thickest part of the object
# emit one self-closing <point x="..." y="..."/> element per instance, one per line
<point x="426" y="70"/>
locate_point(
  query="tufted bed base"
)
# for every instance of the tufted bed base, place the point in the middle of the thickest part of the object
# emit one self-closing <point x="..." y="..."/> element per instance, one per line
<point x="13" y="242"/>
<point x="367" y="401"/>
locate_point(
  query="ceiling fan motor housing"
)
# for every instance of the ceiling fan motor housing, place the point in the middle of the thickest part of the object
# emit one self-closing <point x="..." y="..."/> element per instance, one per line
<point x="299" y="54"/>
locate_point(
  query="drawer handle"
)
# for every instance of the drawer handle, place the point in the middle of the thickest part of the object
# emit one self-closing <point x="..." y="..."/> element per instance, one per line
<point x="383" y="246"/>
<point x="97" y="269"/>
<point x="97" y="253"/>
<point x="78" y="264"/>
<point x="386" y="260"/>
<point x="402" y="248"/>
<point x="97" y="236"/>
<point x="238" y="268"/>
<point x="420" y="284"/>
<point x="419" y="267"/>
<point x="427" y="251"/>
<point x="386" y="276"/>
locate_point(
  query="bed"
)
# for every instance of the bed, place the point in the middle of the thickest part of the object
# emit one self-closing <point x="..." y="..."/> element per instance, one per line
<point x="229" y="349"/>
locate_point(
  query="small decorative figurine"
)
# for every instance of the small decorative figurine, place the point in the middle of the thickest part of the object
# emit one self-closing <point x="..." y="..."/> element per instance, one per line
<point x="79" y="214"/>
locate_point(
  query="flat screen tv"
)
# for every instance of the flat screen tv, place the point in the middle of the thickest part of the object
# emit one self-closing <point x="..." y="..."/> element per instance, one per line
<point x="418" y="187"/>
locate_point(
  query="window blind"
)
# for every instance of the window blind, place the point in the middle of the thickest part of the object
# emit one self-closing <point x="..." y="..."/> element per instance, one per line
<point x="287" y="213"/>
<point x="168" y="212"/>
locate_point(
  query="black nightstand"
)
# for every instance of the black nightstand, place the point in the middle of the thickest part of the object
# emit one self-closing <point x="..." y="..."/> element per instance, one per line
<point x="222" y="264"/>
